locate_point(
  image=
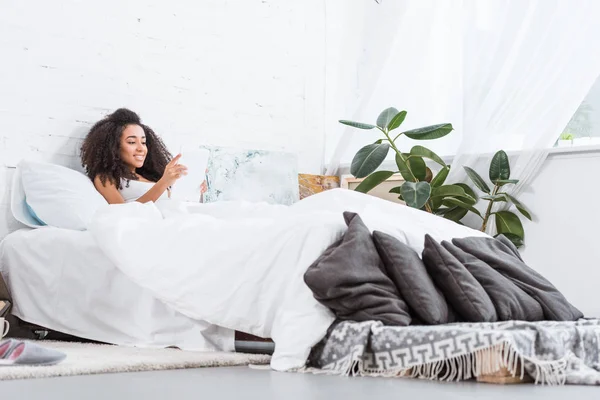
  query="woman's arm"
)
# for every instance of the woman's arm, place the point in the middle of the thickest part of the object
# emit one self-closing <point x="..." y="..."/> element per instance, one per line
<point x="173" y="171"/>
<point x="109" y="191"/>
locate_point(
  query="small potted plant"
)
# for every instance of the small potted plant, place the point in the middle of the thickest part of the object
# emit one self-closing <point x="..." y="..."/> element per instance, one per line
<point x="565" y="139"/>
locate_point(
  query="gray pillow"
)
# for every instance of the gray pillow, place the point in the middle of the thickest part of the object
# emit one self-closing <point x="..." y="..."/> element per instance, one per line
<point x="500" y="257"/>
<point x="349" y="278"/>
<point x="404" y="266"/>
<point x="511" y="302"/>
<point x="461" y="289"/>
<point x="511" y="246"/>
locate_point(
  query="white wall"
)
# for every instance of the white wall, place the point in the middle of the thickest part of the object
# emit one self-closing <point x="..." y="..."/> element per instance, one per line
<point x="246" y="73"/>
<point x="563" y="242"/>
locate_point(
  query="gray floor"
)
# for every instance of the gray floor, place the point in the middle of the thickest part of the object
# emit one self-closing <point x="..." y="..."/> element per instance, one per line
<point x="248" y="384"/>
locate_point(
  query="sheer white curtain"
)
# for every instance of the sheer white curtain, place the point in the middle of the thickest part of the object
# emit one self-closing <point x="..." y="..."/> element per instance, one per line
<point x="527" y="65"/>
<point x="412" y="61"/>
<point x="360" y="35"/>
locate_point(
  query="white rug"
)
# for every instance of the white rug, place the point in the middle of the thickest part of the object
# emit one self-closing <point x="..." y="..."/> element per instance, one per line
<point x="85" y="358"/>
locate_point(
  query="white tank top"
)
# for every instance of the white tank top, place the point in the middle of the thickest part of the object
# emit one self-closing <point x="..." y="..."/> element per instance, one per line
<point x="137" y="189"/>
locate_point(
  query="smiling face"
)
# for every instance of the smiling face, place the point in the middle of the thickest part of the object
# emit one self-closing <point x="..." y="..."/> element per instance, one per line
<point x="133" y="146"/>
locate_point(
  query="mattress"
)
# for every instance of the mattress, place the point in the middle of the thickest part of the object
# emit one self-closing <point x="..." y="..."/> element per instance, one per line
<point x="61" y="280"/>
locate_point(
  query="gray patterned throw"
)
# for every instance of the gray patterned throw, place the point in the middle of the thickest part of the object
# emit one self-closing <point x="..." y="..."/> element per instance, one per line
<point x="550" y="352"/>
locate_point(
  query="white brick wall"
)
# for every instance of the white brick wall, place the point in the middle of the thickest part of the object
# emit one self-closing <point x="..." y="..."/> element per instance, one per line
<point x="244" y="73"/>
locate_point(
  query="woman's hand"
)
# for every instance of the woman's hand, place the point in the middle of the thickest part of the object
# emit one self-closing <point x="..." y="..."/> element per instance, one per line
<point x="204" y="186"/>
<point x="173" y="171"/>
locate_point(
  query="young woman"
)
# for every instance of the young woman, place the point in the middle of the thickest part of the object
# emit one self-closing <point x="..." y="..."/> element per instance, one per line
<point x="127" y="161"/>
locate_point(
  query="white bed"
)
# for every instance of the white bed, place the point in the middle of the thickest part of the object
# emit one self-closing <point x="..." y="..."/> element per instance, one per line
<point x="235" y="264"/>
<point x="61" y="280"/>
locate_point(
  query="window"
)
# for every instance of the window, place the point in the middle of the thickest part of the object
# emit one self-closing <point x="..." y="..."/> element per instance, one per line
<point x="584" y="127"/>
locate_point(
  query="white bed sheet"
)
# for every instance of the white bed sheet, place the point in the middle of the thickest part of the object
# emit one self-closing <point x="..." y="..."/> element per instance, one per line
<point x="60" y="279"/>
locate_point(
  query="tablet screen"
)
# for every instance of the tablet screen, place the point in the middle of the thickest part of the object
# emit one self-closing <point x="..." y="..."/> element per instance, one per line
<point x="187" y="188"/>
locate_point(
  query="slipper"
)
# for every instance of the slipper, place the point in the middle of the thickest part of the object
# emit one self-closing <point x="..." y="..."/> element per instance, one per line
<point x="16" y="352"/>
<point x="5" y="346"/>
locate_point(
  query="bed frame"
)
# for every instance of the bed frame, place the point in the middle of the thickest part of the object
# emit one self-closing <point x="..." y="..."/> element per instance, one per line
<point x="244" y="343"/>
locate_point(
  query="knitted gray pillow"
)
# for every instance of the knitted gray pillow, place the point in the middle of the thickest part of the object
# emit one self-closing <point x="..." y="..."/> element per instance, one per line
<point x="349" y="278"/>
<point x="404" y="266"/>
<point x="461" y="289"/>
<point x="502" y="258"/>
<point x="511" y="302"/>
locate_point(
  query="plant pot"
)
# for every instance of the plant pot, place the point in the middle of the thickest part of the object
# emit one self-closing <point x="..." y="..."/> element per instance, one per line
<point x="564" y="143"/>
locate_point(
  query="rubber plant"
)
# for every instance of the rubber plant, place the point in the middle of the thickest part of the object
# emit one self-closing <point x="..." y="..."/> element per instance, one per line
<point x="422" y="188"/>
<point x="507" y="222"/>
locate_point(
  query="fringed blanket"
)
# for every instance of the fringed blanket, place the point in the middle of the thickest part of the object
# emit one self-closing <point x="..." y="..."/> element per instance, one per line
<point x="549" y="352"/>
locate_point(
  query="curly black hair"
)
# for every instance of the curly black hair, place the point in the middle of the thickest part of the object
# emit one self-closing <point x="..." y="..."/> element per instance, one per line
<point x="100" y="152"/>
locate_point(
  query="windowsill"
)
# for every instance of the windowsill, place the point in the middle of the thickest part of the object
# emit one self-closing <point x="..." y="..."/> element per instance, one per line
<point x="593" y="148"/>
<point x="566" y="151"/>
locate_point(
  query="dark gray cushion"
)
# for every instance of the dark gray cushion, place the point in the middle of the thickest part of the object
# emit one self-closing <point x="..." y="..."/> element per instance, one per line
<point x="349" y="278"/>
<point x="511" y="302"/>
<point x="511" y="246"/>
<point x="404" y="266"/>
<point x="500" y="257"/>
<point x="461" y="289"/>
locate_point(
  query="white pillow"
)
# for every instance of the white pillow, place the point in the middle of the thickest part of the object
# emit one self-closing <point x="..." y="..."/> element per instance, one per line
<point x="18" y="206"/>
<point x="58" y="195"/>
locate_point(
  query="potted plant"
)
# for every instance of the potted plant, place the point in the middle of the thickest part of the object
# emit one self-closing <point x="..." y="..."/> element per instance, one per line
<point x="507" y="222"/>
<point x="422" y="188"/>
<point x="565" y="139"/>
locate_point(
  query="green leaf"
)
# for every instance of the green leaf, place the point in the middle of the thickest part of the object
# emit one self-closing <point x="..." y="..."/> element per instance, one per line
<point x="403" y="168"/>
<point x="448" y="190"/>
<point x="396" y="121"/>
<point x="509" y="222"/>
<point x="522" y="209"/>
<point x="430" y="132"/>
<point x="368" y="159"/>
<point x="444" y="210"/>
<point x="456" y="214"/>
<point x="477" y="180"/>
<point x="396" y="190"/>
<point x="440" y="178"/>
<point x="416" y="194"/>
<point x="450" y="201"/>
<point x="499" y="167"/>
<point x="502" y="182"/>
<point x="452" y="191"/>
<point x="379" y="141"/>
<point x="436" y="202"/>
<point x="373" y="180"/>
<point x="495" y="197"/>
<point x="469" y="200"/>
<point x="468" y="190"/>
<point x="517" y="241"/>
<point x="358" y="125"/>
<point x="424" y="152"/>
<point x="386" y="117"/>
<point x="418" y="167"/>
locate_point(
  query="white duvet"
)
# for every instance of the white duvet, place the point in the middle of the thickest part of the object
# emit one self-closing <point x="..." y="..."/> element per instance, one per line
<point x="241" y="265"/>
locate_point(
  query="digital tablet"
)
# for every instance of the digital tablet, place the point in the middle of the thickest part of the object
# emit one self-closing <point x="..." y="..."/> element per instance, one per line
<point x="187" y="188"/>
